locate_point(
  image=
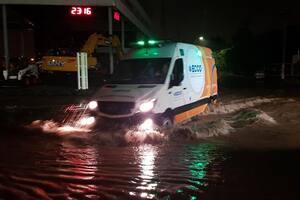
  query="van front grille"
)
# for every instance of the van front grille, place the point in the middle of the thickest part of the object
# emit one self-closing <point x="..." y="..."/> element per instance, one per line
<point x="115" y="108"/>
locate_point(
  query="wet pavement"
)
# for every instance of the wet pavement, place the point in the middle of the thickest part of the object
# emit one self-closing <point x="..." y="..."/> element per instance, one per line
<point x="243" y="148"/>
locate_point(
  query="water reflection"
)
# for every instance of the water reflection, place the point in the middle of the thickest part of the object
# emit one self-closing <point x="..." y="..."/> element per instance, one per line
<point x="147" y="155"/>
<point x="68" y="169"/>
<point x="200" y="158"/>
<point x="80" y="166"/>
<point x="188" y="169"/>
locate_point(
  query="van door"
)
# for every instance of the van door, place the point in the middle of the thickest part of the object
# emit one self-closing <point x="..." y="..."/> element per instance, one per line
<point x="177" y="87"/>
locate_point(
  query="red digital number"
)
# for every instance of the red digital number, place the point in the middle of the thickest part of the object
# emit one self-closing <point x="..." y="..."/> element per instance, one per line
<point x="88" y="11"/>
<point x="81" y="11"/>
<point x="73" y="11"/>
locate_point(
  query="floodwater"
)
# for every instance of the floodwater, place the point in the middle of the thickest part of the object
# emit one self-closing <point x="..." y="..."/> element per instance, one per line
<point x="240" y="149"/>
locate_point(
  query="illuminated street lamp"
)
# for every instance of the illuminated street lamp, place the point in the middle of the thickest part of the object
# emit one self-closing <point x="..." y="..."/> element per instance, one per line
<point x="201" y="38"/>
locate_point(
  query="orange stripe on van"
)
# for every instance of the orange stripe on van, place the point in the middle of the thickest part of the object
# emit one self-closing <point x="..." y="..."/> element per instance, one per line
<point x="190" y="113"/>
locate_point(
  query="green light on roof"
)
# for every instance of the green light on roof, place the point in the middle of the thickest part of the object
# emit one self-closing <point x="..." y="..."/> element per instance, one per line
<point x="152" y="42"/>
<point x="141" y="43"/>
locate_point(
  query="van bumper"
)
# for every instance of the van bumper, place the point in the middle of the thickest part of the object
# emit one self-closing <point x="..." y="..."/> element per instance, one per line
<point x="132" y="121"/>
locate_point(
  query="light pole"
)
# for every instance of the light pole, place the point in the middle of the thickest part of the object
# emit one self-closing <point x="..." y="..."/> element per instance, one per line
<point x="284" y="43"/>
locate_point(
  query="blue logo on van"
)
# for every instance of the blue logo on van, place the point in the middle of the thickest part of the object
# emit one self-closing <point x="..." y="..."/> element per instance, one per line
<point x="178" y="93"/>
<point x="195" y="68"/>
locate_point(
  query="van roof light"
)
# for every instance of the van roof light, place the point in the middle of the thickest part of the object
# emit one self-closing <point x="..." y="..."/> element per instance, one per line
<point x="149" y="43"/>
<point x="152" y="42"/>
<point x="140" y="43"/>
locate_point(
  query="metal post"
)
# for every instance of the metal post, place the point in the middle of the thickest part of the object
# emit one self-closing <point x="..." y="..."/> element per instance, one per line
<point x="78" y="71"/>
<point x="82" y="71"/>
<point x="110" y="32"/>
<point x="5" y="37"/>
<point x="123" y="34"/>
<point x="86" y="71"/>
<point x="283" y="52"/>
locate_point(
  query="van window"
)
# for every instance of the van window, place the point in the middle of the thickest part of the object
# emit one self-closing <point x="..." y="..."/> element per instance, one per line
<point x="177" y="74"/>
<point x="141" y="71"/>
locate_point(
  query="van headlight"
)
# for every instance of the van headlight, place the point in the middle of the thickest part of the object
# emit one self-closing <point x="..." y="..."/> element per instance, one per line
<point x="147" y="106"/>
<point x="92" y="105"/>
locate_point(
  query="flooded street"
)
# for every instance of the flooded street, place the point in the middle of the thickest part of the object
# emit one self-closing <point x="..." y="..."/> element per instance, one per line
<point x="62" y="170"/>
<point x="244" y="148"/>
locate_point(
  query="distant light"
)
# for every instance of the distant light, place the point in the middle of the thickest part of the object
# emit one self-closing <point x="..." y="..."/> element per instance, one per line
<point x="85" y="11"/>
<point x="117" y="16"/>
<point x="141" y="43"/>
<point x="201" y="38"/>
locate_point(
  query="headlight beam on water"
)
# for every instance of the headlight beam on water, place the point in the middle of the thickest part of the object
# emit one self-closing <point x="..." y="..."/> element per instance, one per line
<point x="147" y="125"/>
<point x="87" y="121"/>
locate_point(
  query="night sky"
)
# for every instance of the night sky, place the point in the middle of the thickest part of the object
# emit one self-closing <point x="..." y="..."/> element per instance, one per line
<point x="186" y="20"/>
<point x="178" y="21"/>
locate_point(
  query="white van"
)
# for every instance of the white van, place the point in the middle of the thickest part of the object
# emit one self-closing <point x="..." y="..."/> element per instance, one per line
<point x="159" y="83"/>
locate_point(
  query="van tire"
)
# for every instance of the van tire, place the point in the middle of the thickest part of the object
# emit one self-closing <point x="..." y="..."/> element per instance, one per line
<point x="167" y="120"/>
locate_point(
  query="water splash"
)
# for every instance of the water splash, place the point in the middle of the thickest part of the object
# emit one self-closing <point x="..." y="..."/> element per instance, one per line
<point x="237" y="105"/>
<point x="222" y="119"/>
<point x="49" y="126"/>
<point x="138" y="136"/>
<point x="72" y="120"/>
<point x="222" y="125"/>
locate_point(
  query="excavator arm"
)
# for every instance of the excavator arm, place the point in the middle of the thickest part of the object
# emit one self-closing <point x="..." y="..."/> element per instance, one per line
<point x="99" y="40"/>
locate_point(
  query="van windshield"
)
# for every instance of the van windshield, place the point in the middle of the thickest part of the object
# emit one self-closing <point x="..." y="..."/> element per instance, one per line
<point x="141" y="71"/>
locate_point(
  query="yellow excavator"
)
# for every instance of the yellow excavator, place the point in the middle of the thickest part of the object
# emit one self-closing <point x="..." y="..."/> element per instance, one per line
<point x="69" y="63"/>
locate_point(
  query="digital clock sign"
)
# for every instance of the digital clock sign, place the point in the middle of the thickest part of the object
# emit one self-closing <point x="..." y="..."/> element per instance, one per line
<point x="81" y="11"/>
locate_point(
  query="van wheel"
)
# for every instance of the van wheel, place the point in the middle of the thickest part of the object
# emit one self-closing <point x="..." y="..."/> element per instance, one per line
<point x="167" y="122"/>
